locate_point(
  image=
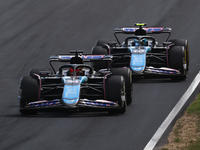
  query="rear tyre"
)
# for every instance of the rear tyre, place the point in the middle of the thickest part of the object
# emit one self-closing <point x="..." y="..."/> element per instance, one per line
<point x="126" y="73"/>
<point x="34" y="71"/>
<point x="115" y="91"/>
<point x="177" y="59"/>
<point x="102" y="42"/>
<point x="99" y="50"/>
<point x="29" y="92"/>
<point x="182" y="42"/>
<point x="38" y="71"/>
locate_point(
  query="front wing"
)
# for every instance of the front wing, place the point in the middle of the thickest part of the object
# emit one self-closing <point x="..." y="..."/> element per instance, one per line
<point x="81" y="103"/>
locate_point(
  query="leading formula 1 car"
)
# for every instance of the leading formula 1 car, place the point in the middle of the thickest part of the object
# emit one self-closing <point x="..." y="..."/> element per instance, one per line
<point x="76" y="85"/>
<point x="144" y="54"/>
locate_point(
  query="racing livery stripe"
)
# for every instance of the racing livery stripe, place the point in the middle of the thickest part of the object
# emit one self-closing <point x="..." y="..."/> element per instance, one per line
<point x="150" y="29"/>
<point x="83" y="56"/>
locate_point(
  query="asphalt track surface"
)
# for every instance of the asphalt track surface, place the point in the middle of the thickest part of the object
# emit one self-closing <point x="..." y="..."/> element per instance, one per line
<point x="32" y="30"/>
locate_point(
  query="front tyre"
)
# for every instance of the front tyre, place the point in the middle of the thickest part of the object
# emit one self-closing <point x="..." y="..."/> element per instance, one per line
<point x="126" y="73"/>
<point x="185" y="43"/>
<point x="115" y="91"/>
<point x="29" y="92"/>
<point x="177" y="60"/>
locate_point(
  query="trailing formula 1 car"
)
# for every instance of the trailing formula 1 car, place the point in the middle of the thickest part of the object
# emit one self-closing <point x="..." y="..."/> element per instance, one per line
<point x="144" y="54"/>
<point x="76" y="85"/>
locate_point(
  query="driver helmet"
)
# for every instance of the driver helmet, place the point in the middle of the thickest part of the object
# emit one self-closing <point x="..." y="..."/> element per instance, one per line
<point x="144" y="42"/>
<point x="135" y="42"/>
<point x="78" y="72"/>
<point x="70" y="72"/>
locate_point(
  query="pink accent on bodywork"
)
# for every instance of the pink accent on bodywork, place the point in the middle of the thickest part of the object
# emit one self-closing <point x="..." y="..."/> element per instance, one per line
<point x="39" y="84"/>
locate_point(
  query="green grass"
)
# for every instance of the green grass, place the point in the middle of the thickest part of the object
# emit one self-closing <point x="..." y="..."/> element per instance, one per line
<point x="194" y="109"/>
<point x="177" y="140"/>
<point x="195" y="145"/>
<point x="178" y="128"/>
<point x="198" y="125"/>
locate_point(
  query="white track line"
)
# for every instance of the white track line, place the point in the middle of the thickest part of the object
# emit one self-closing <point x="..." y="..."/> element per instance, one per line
<point x="156" y="137"/>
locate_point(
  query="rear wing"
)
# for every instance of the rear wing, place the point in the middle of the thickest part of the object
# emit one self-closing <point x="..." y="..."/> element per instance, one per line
<point x="78" y="58"/>
<point x="86" y="58"/>
<point x="149" y="30"/>
<point x="140" y="30"/>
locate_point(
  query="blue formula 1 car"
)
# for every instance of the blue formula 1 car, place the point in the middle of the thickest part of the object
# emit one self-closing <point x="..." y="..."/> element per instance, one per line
<point x="146" y="57"/>
<point x="76" y="85"/>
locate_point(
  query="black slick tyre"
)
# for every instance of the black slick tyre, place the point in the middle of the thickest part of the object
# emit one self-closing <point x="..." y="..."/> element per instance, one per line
<point x="177" y="58"/>
<point x="126" y="73"/>
<point x="115" y="91"/>
<point x="29" y="92"/>
<point x="185" y="43"/>
<point x="37" y="71"/>
<point x="99" y="50"/>
<point x="102" y="42"/>
<point x="34" y="71"/>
